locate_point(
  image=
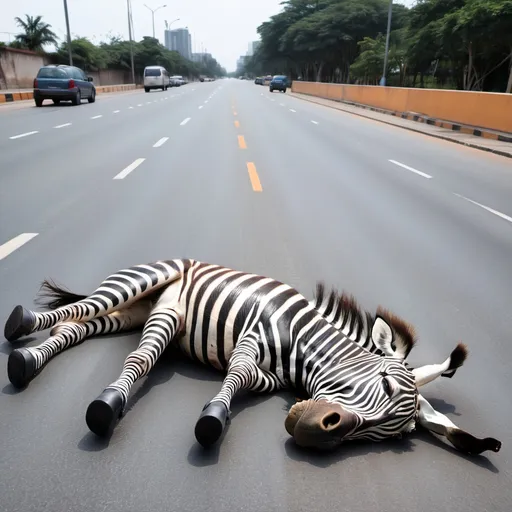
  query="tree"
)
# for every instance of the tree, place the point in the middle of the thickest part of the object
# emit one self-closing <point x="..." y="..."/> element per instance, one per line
<point x="36" y="33"/>
<point x="465" y="44"/>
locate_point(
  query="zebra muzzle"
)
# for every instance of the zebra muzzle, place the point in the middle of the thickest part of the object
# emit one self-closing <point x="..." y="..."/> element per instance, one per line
<point x="319" y="424"/>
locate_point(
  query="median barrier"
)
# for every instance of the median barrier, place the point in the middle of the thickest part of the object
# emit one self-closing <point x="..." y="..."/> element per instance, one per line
<point x="459" y="110"/>
<point x="8" y="97"/>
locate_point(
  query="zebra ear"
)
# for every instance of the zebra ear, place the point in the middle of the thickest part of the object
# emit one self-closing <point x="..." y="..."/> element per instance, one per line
<point x="382" y="336"/>
<point x="440" y="424"/>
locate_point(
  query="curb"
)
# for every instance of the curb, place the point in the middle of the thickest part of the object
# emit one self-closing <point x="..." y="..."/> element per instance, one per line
<point x="9" y="97"/>
<point x="469" y="130"/>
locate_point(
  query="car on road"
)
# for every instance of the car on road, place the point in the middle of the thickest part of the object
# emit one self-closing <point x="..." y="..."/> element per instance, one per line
<point x="258" y="80"/>
<point x="156" y="77"/>
<point x="63" y="83"/>
<point x="278" y="83"/>
<point x="175" y="81"/>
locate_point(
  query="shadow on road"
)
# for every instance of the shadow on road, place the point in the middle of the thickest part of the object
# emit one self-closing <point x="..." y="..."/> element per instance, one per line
<point x="362" y="448"/>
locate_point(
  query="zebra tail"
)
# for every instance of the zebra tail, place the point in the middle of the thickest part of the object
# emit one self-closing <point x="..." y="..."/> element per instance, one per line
<point x="53" y="296"/>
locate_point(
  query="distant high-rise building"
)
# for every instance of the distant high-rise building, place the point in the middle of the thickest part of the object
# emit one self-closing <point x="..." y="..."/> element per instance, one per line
<point x="201" y="56"/>
<point x="180" y="41"/>
<point x="252" y="47"/>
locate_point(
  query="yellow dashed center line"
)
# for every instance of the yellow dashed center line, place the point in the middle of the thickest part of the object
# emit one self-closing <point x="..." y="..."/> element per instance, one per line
<point x="237" y="124"/>
<point x="241" y="142"/>
<point x="253" y="176"/>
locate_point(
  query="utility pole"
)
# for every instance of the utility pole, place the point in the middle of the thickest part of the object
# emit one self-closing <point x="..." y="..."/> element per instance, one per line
<point x="383" y="79"/>
<point x="129" y="9"/>
<point x="69" y="33"/>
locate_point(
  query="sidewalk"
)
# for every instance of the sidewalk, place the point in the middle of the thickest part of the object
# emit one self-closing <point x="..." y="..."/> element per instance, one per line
<point x="10" y="95"/>
<point x="483" y="139"/>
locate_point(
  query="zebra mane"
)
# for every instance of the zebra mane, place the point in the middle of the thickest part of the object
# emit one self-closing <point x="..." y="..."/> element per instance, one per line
<point x="343" y="312"/>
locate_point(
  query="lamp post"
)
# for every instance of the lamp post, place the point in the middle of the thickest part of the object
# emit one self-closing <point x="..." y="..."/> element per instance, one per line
<point x="153" y="14"/>
<point x="129" y="9"/>
<point x="383" y="79"/>
<point x="69" y="33"/>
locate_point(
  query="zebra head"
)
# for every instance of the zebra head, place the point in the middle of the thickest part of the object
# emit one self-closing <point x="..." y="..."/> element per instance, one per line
<point x="366" y="391"/>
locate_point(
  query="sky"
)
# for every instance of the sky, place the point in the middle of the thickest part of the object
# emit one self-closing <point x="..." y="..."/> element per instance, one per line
<point x="224" y="28"/>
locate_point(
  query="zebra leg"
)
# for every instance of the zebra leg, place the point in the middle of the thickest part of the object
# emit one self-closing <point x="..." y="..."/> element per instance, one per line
<point x="160" y="328"/>
<point x="26" y="363"/>
<point x="242" y="373"/>
<point x="117" y="291"/>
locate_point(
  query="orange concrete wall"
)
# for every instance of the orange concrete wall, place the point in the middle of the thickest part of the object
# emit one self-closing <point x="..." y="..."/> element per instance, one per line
<point x="480" y="109"/>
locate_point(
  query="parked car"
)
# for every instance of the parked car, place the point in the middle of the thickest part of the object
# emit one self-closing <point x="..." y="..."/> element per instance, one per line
<point x="175" y="81"/>
<point x="279" y="83"/>
<point x="63" y="83"/>
<point x="156" y="77"/>
<point x="258" y="80"/>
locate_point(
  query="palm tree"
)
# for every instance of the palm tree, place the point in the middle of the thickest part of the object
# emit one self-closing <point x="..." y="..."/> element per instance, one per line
<point x="37" y="34"/>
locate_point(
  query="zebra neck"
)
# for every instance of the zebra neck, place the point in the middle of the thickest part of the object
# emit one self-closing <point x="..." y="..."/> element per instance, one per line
<point x="320" y="351"/>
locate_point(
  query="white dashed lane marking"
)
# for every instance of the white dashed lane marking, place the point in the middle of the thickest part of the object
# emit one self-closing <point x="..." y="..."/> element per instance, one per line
<point x="96" y="117"/>
<point x="185" y="121"/>
<point x="62" y="125"/>
<point x="314" y="122"/>
<point x="23" y="135"/>
<point x="129" y="169"/>
<point x="15" y="243"/>
<point x="162" y="141"/>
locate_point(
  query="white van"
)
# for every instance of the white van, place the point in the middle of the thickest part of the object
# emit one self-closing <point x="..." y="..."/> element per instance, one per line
<point x="155" y="77"/>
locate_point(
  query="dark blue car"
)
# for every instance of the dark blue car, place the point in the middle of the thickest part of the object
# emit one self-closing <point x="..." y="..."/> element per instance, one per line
<point x="63" y="83"/>
<point x="278" y="83"/>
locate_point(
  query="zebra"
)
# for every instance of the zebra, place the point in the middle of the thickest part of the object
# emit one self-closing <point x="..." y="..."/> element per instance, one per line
<point x="263" y="334"/>
<point x="344" y="313"/>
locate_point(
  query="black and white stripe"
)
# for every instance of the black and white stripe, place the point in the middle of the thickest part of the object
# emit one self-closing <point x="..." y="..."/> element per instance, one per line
<point x="262" y="332"/>
<point x="117" y="291"/>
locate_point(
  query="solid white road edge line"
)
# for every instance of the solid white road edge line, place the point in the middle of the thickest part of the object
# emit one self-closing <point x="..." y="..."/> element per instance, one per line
<point x="496" y="212"/>
<point x="411" y="169"/>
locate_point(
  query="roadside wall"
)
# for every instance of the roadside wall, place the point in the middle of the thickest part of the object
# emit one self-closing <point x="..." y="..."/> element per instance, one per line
<point x="18" y="68"/>
<point x="478" y="109"/>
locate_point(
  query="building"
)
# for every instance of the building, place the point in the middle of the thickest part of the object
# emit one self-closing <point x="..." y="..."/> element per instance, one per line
<point x="253" y="47"/>
<point x="180" y="41"/>
<point x="201" y="56"/>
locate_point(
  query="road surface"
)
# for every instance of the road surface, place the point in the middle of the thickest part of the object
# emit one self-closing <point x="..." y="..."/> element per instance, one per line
<point x="228" y="173"/>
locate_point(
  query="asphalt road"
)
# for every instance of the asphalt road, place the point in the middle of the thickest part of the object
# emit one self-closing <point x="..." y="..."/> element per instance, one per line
<point x="325" y="196"/>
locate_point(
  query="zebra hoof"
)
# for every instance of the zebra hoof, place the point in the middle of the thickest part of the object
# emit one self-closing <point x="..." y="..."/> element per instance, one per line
<point x="21" y="367"/>
<point x="211" y="423"/>
<point x="102" y="414"/>
<point x="20" y="323"/>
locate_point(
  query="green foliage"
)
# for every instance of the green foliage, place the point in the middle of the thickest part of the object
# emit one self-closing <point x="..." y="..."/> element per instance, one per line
<point x="35" y="35"/>
<point x="112" y="54"/>
<point x="446" y="43"/>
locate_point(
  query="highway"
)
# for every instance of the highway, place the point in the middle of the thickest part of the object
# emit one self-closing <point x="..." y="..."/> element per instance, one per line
<point x="228" y="173"/>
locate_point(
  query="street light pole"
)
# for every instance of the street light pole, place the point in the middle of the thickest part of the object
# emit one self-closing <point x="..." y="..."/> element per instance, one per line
<point x="390" y="11"/>
<point x="129" y="9"/>
<point x="69" y="34"/>
<point x="153" y="15"/>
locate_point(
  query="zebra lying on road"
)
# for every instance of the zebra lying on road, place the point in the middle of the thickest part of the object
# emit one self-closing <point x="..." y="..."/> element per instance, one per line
<point x="264" y="335"/>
